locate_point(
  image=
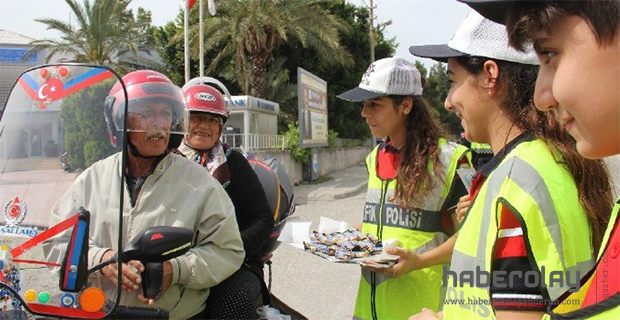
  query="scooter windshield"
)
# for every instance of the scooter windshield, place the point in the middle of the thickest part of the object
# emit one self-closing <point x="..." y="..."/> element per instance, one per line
<point x="61" y="191"/>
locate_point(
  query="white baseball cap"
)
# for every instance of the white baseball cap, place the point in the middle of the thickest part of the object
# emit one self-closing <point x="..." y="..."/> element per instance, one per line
<point x="388" y="76"/>
<point x="480" y="37"/>
<point x="497" y="10"/>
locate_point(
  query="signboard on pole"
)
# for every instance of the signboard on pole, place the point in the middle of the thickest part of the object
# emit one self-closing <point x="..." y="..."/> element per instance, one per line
<point x="312" y="103"/>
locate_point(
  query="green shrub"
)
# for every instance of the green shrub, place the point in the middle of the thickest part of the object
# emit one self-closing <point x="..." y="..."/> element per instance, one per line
<point x="94" y="151"/>
<point x="301" y="155"/>
<point x="332" y="138"/>
<point x="85" y="135"/>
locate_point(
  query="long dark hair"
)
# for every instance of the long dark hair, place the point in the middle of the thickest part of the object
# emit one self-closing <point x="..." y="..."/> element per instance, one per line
<point x="421" y="146"/>
<point x="524" y="19"/>
<point x="516" y="83"/>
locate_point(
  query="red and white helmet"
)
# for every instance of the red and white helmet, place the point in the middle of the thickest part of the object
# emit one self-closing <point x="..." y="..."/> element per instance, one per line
<point x="205" y="98"/>
<point x="143" y="87"/>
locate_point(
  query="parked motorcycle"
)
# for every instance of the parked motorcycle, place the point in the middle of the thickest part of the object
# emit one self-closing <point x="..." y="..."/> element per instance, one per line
<point x="44" y="263"/>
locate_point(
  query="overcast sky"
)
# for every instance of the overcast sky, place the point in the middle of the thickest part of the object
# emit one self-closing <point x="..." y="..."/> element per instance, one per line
<point x="413" y="21"/>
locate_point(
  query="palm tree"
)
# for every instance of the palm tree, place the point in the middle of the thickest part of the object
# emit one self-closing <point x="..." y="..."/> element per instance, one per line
<point x="250" y="30"/>
<point x="105" y="31"/>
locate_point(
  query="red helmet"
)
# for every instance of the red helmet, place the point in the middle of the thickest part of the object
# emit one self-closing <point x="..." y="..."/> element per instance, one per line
<point x="205" y="98"/>
<point x="143" y="86"/>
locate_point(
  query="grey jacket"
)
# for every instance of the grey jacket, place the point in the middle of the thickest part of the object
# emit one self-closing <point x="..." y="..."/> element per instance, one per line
<point x="178" y="193"/>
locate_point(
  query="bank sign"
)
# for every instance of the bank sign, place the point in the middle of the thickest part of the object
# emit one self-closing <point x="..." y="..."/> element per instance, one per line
<point x="253" y="103"/>
<point x="16" y="55"/>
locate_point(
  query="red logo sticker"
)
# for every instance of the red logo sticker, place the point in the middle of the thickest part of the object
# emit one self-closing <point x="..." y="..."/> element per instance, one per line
<point x="14" y="212"/>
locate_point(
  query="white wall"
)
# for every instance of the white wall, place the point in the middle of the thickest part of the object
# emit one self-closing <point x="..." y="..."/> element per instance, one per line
<point x="330" y="160"/>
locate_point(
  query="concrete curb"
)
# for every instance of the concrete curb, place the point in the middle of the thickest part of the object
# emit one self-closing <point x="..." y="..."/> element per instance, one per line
<point x="351" y="191"/>
<point x="334" y="194"/>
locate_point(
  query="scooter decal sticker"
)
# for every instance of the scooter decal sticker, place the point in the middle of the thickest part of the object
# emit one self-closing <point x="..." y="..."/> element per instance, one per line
<point x="14" y="212"/>
<point x="13" y="215"/>
<point x="53" y="86"/>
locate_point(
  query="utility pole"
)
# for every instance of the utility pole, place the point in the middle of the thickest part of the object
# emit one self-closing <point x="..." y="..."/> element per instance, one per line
<point x="371" y="33"/>
<point x="186" y="39"/>
<point x="371" y="36"/>
<point x="201" y="39"/>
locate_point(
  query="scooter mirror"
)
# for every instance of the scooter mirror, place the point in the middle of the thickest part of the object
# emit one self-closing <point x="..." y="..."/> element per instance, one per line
<point x="158" y="244"/>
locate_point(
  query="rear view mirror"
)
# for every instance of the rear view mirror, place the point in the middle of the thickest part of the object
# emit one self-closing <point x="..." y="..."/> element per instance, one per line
<point x="158" y="244"/>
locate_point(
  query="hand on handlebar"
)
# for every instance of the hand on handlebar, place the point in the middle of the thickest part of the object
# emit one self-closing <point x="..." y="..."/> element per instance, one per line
<point x="167" y="281"/>
<point x="131" y="272"/>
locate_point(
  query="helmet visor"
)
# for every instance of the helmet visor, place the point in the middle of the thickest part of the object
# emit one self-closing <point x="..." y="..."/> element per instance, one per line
<point x="154" y="107"/>
<point x="158" y="113"/>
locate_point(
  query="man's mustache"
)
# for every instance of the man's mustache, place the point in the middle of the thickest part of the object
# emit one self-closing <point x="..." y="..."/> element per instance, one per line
<point x="156" y="135"/>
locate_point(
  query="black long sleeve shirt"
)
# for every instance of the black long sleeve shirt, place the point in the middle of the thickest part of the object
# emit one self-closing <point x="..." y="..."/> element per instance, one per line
<point x="253" y="214"/>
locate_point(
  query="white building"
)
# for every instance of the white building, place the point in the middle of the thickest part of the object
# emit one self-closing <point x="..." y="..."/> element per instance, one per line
<point x="43" y="136"/>
<point x="13" y="61"/>
<point x="253" y="124"/>
<point x="13" y="47"/>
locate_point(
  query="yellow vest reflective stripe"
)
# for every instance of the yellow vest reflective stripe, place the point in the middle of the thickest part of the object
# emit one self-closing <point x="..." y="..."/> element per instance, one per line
<point x="612" y="222"/>
<point x="481" y="147"/>
<point x="481" y="154"/>
<point x="543" y="196"/>
<point x="417" y="229"/>
<point x="609" y="308"/>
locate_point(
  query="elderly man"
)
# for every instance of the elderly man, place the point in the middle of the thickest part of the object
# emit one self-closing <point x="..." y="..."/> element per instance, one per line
<point x="162" y="189"/>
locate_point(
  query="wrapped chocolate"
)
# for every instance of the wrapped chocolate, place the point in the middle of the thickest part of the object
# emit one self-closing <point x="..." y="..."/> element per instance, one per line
<point x="345" y="246"/>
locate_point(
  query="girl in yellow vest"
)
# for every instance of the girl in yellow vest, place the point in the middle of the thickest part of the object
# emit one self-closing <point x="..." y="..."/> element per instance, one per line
<point x="578" y="45"/>
<point x="527" y="237"/>
<point x="411" y="187"/>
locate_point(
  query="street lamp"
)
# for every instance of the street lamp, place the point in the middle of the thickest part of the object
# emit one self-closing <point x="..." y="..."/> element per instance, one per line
<point x="382" y="25"/>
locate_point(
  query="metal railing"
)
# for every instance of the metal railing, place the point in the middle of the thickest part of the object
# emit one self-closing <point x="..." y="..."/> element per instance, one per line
<point x="275" y="141"/>
<point x="254" y="141"/>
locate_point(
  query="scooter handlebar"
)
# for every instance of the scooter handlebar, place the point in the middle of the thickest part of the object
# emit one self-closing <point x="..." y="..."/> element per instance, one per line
<point x="127" y="312"/>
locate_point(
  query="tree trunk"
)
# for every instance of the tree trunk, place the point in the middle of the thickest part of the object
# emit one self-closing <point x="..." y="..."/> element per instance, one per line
<point x="259" y="74"/>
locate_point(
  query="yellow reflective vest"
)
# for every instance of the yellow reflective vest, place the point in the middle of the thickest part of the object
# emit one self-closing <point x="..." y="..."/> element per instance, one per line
<point x="382" y="297"/>
<point x="608" y="304"/>
<point x="542" y="194"/>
